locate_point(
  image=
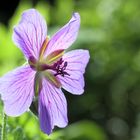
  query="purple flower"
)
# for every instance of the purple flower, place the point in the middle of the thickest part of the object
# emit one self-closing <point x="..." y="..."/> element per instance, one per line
<point x="49" y="69"/>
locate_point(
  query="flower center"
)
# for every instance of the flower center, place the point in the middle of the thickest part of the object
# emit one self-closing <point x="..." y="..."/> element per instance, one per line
<point x="59" y="67"/>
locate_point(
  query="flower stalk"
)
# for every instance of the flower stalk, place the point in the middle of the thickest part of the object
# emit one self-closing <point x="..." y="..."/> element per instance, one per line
<point x="3" y="129"/>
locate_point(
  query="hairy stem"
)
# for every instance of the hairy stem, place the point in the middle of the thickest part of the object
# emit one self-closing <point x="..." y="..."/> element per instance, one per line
<point x="3" y="129"/>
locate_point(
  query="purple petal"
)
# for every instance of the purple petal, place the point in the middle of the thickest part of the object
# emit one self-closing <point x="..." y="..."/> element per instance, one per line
<point x="65" y="36"/>
<point x="52" y="107"/>
<point x="30" y="34"/>
<point x="44" y="116"/>
<point x="16" y="89"/>
<point x="77" y="61"/>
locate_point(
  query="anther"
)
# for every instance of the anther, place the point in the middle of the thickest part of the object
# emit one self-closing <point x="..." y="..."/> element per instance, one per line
<point x="60" y="69"/>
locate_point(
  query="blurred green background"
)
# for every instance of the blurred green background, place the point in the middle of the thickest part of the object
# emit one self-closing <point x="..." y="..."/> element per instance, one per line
<point x="110" y="107"/>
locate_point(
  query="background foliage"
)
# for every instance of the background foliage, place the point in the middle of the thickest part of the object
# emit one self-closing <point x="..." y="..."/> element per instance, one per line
<point x="110" y="107"/>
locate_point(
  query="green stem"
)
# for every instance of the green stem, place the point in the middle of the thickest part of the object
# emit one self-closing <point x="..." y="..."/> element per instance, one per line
<point x="3" y="129"/>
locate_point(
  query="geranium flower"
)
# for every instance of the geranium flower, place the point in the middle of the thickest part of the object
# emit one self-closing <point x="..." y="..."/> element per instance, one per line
<point x="49" y="69"/>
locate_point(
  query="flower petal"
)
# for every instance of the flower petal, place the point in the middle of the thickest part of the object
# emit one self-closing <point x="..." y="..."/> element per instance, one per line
<point x="54" y="56"/>
<point x="16" y="89"/>
<point x="52" y="107"/>
<point x="77" y="61"/>
<point x="52" y="79"/>
<point x="65" y="36"/>
<point x="30" y="34"/>
<point x="44" y="116"/>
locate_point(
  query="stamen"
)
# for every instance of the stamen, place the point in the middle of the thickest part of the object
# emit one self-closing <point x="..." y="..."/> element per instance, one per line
<point x="60" y="70"/>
